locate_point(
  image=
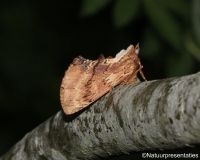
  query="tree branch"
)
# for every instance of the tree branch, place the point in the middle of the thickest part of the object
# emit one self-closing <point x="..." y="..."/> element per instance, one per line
<point x="158" y="114"/>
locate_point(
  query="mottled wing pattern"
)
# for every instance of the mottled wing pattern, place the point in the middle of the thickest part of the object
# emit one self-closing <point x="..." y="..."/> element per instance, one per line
<point x="85" y="81"/>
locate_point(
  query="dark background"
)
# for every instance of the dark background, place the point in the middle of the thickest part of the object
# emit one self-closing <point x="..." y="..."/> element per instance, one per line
<point x="39" y="38"/>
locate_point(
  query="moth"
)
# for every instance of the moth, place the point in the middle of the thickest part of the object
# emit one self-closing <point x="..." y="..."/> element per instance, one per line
<point x="86" y="80"/>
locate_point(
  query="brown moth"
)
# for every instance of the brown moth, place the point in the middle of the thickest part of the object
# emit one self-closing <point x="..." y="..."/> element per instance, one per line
<point x="85" y="80"/>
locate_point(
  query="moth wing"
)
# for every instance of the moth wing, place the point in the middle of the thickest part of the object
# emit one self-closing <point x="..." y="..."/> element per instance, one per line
<point x="85" y="81"/>
<point x="74" y="86"/>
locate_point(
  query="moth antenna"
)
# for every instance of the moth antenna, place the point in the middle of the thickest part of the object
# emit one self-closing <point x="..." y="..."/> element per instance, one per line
<point x="137" y="49"/>
<point x="142" y="75"/>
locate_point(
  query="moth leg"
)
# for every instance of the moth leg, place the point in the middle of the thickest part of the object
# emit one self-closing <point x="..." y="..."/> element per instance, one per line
<point x="133" y="78"/>
<point x="142" y="75"/>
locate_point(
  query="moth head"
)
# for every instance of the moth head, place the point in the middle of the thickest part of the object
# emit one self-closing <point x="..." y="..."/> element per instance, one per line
<point x="137" y="49"/>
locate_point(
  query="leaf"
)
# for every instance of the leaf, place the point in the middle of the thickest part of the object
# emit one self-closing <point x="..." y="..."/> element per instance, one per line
<point x="151" y="44"/>
<point x="124" y="11"/>
<point x="196" y="19"/>
<point x="192" y="47"/>
<point x="164" y="22"/>
<point x="90" y="7"/>
<point x="181" y="7"/>
<point x="178" y="65"/>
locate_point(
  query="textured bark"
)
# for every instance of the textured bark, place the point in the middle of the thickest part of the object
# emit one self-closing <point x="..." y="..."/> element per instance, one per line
<point x="158" y="114"/>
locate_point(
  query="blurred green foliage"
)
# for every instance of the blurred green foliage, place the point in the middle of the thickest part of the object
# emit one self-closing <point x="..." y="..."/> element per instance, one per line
<point x="125" y="11"/>
<point x="177" y="23"/>
<point x="90" y="7"/>
<point x="38" y="40"/>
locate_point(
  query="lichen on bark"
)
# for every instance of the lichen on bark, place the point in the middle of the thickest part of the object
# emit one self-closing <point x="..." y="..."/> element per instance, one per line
<point x="160" y="114"/>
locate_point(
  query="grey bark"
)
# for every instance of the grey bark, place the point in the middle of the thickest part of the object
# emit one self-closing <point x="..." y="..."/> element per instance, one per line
<point x="159" y="114"/>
